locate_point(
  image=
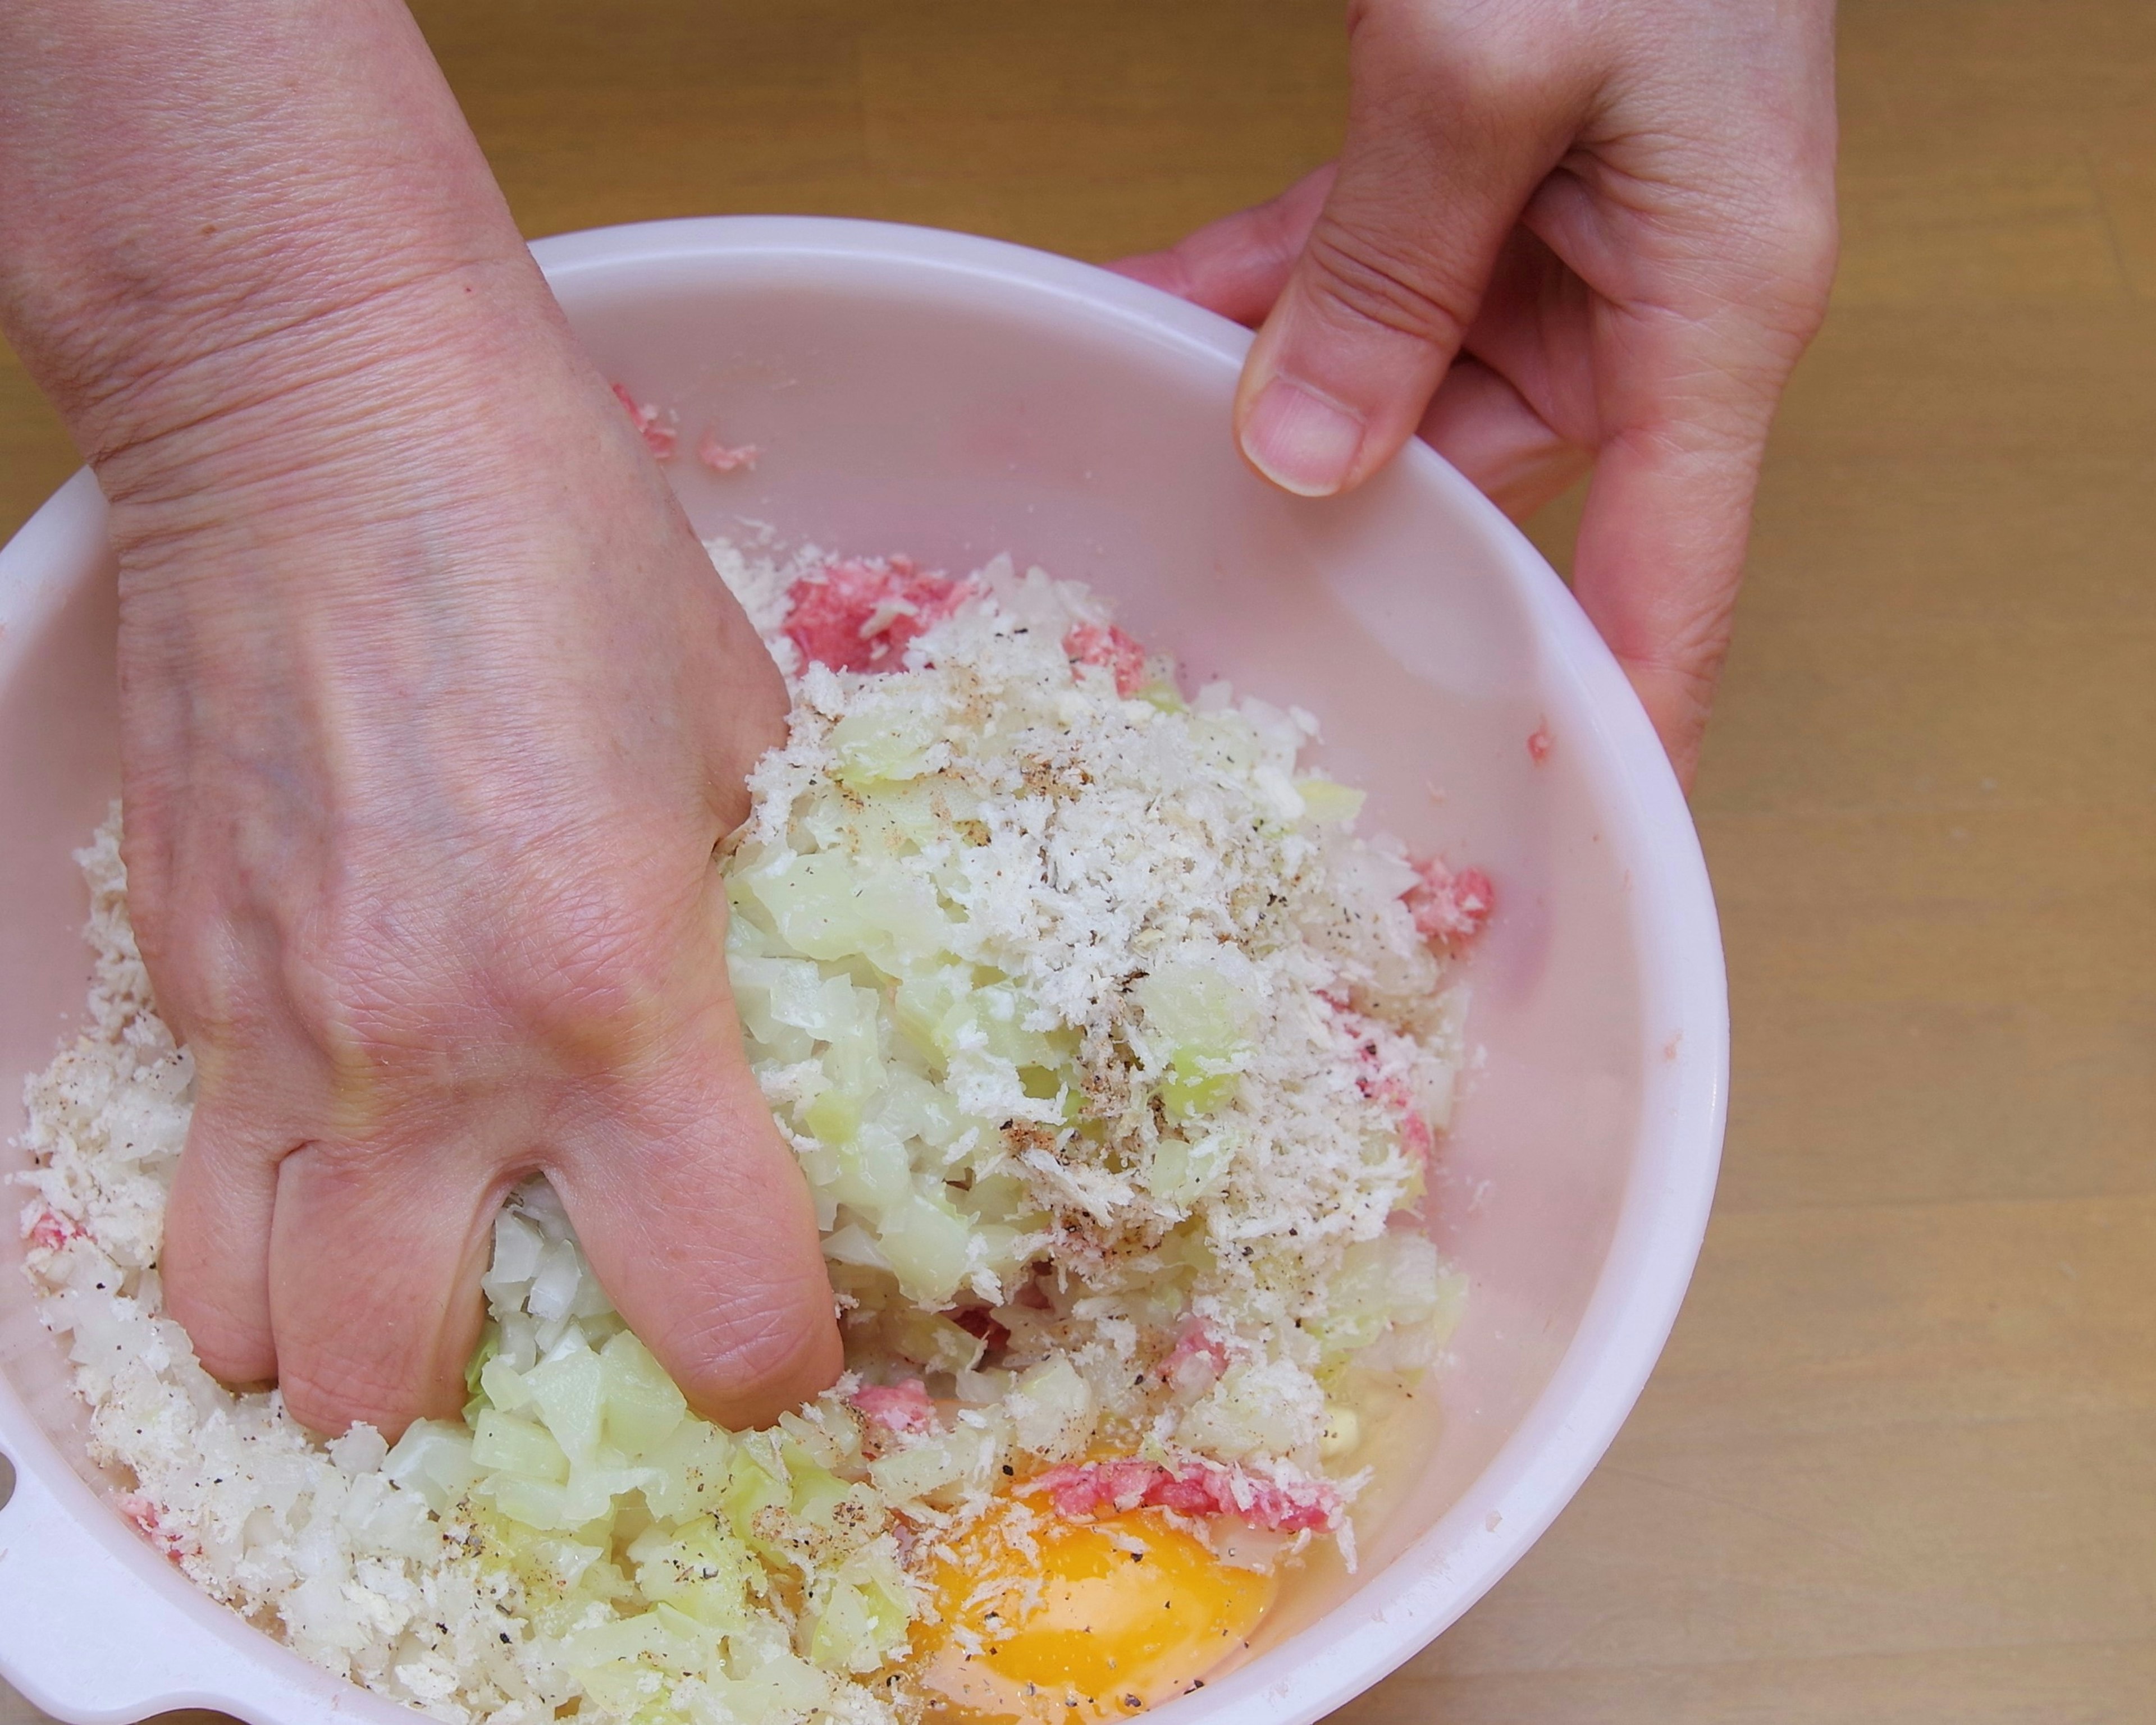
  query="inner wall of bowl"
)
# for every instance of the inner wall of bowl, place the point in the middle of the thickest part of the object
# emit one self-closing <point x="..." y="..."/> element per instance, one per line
<point x="904" y="407"/>
<point x="900" y="406"/>
<point x="59" y="770"/>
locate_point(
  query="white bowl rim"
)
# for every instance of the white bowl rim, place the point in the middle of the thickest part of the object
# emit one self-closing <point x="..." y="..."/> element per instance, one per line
<point x="1394" y="1613"/>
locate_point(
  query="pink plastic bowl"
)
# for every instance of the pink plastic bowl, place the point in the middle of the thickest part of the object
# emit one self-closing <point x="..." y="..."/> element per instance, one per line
<point x="953" y="397"/>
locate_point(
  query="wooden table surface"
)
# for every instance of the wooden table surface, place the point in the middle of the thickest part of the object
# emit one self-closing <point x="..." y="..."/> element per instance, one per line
<point x="1899" y="1463"/>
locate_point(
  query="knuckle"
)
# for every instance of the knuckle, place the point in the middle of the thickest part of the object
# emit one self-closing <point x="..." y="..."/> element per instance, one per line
<point x="1691" y="656"/>
<point x="353" y="993"/>
<point x="1496" y="72"/>
<point x="1767" y="239"/>
<point x="576" y="976"/>
<point x="596" y="974"/>
<point x="1774" y="277"/>
<point x="1380" y="284"/>
<point x="1810" y="242"/>
<point x="1680" y="695"/>
<point x="1279" y="224"/>
<point x="1479" y="58"/>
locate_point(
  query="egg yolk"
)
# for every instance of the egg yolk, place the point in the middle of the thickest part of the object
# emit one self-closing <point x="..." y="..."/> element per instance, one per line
<point x="1046" y="1621"/>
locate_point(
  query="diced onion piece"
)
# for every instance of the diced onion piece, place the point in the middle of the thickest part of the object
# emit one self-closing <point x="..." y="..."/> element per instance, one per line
<point x="930" y="1339"/>
<point x="1182" y="1171"/>
<point x="503" y="1444"/>
<point x="1052" y="1410"/>
<point x="875" y="1176"/>
<point x="1273" y="1407"/>
<point x="754" y="1482"/>
<point x="703" y="1572"/>
<point x="1194" y="1001"/>
<point x="891" y="735"/>
<point x="503" y="1385"/>
<point x="834" y="1116"/>
<point x="1343" y="1430"/>
<point x="1198" y="1083"/>
<point x="536" y="1503"/>
<point x="1362" y="1303"/>
<point x="640" y="1407"/>
<point x="925" y="1240"/>
<point x="1327" y="804"/>
<point x="688" y="1474"/>
<point x="517" y="1246"/>
<point x="853" y="1244"/>
<point x="860" y="1624"/>
<point x="554" y="1288"/>
<point x="962" y="1455"/>
<point x="566" y="1388"/>
<point x="812" y="903"/>
<point x="1204" y="1006"/>
<point x="434" y="1459"/>
<point x="1276" y="794"/>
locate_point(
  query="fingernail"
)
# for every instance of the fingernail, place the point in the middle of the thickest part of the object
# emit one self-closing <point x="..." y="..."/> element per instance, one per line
<point x="1301" y="441"/>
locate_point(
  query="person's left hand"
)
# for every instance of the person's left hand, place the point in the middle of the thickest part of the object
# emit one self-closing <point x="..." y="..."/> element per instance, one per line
<point x="1596" y="233"/>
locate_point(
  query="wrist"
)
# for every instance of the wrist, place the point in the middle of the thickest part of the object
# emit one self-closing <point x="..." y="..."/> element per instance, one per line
<point x="366" y="379"/>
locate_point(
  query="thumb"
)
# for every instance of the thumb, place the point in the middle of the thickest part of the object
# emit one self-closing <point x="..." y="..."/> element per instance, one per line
<point x="1449" y="134"/>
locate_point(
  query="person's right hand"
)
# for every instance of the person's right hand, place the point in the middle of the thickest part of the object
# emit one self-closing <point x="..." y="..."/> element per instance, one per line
<point x="432" y="712"/>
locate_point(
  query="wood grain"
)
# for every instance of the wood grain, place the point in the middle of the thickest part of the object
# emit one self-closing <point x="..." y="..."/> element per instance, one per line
<point x="1899" y="1463"/>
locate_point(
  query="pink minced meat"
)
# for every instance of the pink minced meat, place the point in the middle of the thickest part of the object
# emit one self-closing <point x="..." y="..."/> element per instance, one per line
<point x="1449" y="909"/>
<point x="145" y="1514"/>
<point x="725" y="458"/>
<point x="1392" y="1090"/>
<point x="653" y="426"/>
<point x="898" y="1407"/>
<point x="1094" y="1488"/>
<point x="1090" y="644"/>
<point x="47" y="1232"/>
<point x="859" y="616"/>
<point x="1198" y="1356"/>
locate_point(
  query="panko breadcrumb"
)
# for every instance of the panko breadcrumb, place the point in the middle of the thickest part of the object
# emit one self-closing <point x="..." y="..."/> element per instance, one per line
<point x="1113" y="1058"/>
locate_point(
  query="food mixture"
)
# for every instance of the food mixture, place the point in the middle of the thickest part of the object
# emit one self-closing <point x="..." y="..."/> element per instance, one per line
<point x="1113" y="1058"/>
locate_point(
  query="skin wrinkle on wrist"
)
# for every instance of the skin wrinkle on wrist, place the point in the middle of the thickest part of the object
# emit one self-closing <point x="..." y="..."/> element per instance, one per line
<point x="192" y="370"/>
<point x="419" y="354"/>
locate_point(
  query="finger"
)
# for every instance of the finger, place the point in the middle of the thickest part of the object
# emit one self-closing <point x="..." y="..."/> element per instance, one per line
<point x="1485" y="428"/>
<point x="375" y="1261"/>
<point x="1450" y="131"/>
<point x="697" y="1221"/>
<point x="1661" y="552"/>
<point x="1699" y="318"/>
<point x="1237" y="265"/>
<point x="214" y="1262"/>
<point x="1659" y="556"/>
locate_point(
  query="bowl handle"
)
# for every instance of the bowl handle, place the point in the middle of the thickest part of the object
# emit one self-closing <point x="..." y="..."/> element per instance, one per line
<point x="86" y="1637"/>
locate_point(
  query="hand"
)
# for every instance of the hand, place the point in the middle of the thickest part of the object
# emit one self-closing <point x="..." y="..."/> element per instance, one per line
<point x="1601" y="233"/>
<point x="432" y="712"/>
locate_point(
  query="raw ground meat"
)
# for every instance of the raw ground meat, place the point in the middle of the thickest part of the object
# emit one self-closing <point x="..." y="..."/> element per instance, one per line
<point x="860" y="615"/>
